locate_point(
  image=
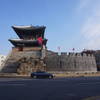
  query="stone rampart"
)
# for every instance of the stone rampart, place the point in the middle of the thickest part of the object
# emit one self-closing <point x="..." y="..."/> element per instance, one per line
<point x="29" y="61"/>
<point x="70" y="62"/>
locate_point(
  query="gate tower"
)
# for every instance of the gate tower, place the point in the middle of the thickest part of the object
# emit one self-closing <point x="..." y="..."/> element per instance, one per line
<point x="28" y="52"/>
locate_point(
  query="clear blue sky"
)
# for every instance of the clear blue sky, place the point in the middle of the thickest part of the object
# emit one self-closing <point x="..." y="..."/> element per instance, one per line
<point x="69" y="23"/>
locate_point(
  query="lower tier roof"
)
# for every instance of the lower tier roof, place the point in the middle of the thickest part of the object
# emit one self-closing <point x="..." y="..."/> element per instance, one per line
<point x="26" y="43"/>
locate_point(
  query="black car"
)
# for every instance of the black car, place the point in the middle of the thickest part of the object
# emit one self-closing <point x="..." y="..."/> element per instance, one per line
<point x="41" y="74"/>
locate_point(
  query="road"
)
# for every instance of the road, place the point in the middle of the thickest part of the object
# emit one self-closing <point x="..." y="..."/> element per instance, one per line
<point x="49" y="89"/>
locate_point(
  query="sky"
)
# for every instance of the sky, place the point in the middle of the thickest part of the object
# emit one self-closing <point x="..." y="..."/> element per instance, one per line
<point x="69" y="23"/>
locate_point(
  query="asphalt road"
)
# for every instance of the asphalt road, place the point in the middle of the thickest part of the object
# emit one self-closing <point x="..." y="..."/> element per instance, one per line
<point x="50" y="89"/>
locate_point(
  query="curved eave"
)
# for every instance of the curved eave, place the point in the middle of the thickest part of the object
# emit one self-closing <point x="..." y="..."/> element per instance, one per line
<point x="28" y="27"/>
<point x="23" y="31"/>
<point x="26" y="43"/>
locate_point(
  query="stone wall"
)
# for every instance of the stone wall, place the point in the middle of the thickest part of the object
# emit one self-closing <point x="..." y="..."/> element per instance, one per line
<point x="97" y="56"/>
<point x="13" y="63"/>
<point x="2" y="60"/>
<point x="24" y="62"/>
<point x="96" y="53"/>
<point x="75" y="62"/>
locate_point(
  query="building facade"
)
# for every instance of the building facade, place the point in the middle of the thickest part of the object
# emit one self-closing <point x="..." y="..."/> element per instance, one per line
<point x="2" y="60"/>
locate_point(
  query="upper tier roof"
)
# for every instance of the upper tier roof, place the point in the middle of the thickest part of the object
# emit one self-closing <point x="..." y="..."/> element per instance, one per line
<point x="28" y="31"/>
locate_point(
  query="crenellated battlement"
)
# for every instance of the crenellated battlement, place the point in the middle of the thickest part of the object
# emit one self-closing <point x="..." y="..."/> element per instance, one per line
<point x="70" y="54"/>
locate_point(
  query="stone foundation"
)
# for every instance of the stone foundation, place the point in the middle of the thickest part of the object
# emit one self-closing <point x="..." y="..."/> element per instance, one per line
<point x="24" y="62"/>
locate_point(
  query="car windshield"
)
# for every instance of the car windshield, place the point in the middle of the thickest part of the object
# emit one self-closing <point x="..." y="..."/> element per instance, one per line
<point x="40" y="72"/>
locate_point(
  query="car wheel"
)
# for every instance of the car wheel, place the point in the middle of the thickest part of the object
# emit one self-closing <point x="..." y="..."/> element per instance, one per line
<point x="34" y="76"/>
<point x="31" y="76"/>
<point x="50" y="77"/>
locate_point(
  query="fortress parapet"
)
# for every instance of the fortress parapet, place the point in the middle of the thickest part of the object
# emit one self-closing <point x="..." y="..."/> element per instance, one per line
<point x="71" y="62"/>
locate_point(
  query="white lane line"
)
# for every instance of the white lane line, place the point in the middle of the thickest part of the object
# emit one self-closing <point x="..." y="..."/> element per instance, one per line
<point x="89" y="83"/>
<point x="11" y="84"/>
<point x="71" y="94"/>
